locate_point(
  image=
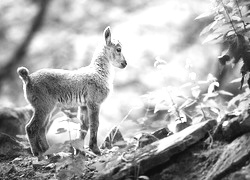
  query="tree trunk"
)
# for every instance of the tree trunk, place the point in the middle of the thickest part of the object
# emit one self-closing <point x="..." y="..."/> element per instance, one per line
<point x="8" y="70"/>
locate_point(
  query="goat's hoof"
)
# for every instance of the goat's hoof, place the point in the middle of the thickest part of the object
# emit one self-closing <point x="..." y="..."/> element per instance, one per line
<point x="96" y="150"/>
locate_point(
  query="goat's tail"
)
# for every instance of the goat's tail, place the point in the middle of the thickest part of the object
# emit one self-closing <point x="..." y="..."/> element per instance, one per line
<point x="23" y="73"/>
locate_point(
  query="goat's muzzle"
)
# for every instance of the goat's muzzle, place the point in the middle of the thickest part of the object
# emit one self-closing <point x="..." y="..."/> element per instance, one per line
<point x="123" y="64"/>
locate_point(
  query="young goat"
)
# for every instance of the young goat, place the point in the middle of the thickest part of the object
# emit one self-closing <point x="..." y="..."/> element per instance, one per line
<point x="49" y="89"/>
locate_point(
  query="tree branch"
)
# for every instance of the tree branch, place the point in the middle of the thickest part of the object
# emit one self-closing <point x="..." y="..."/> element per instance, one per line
<point x="8" y="70"/>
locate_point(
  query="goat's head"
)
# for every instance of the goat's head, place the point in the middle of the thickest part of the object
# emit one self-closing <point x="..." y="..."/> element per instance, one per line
<point x="114" y="50"/>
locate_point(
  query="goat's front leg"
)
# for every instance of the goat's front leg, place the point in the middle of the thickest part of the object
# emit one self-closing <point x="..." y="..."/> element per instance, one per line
<point x="93" y="111"/>
<point x="83" y="116"/>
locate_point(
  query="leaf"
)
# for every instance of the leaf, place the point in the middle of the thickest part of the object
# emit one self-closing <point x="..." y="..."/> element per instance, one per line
<point x="244" y="3"/>
<point x="211" y="78"/>
<point x="78" y="144"/>
<point x="211" y="91"/>
<point x="195" y="91"/>
<point x="246" y="13"/>
<point x="236" y="80"/>
<point x="211" y="87"/>
<point x="213" y="38"/>
<point x="121" y="144"/>
<point x="225" y="93"/>
<point x="188" y="103"/>
<point x="159" y="62"/>
<point x="245" y="58"/>
<point x="69" y="114"/>
<point x="69" y="167"/>
<point x="77" y="165"/>
<point x="235" y="101"/>
<point x="81" y="130"/>
<point x="210" y="95"/>
<point x="192" y="76"/>
<point x="215" y="110"/>
<point x="223" y="59"/>
<point x="207" y="29"/>
<point x="236" y="18"/>
<point x="202" y="82"/>
<point x="161" y="106"/>
<point x="56" y="148"/>
<point x="182" y="97"/>
<point x="65" y="174"/>
<point x="75" y="120"/>
<point x="63" y="163"/>
<point x="186" y="85"/>
<point x="143" y="178"/>
<point x="61" y="130"/>
<point x="222" y="28"/>
<point x="205" y="15"/>
<point x="236" y="47"/>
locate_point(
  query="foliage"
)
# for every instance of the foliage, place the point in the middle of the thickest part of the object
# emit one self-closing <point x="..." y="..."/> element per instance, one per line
<point x="201" y="103"/>
<point x="230" y="28"/>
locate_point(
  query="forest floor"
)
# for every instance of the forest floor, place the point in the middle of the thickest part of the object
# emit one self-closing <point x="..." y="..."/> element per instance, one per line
<point x="196" y="162"/>
<point x="193" y="163"/>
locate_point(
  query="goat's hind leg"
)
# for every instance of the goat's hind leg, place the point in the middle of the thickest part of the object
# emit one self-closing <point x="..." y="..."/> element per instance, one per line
<point x="36" y="131"/>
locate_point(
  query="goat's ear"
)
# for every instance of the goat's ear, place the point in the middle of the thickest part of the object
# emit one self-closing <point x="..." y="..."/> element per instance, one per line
<point x="107" y="35"/>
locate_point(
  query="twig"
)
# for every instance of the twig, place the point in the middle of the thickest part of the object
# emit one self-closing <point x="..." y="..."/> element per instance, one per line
<point x="240" y="14"/>
<point x="174" y="105"/>
<point x="230" y="20"/>
<point x="130" y="111"/>
<point x="69" y="132"/>
<point x="203" y="113"/>
<point x="211" y="142"/>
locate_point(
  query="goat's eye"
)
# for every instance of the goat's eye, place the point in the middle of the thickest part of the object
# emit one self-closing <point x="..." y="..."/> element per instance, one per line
<point x="118" y="50"/>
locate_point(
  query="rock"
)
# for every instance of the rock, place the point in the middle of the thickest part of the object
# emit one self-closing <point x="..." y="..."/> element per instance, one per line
<point x="50" y="166"/>
<point x="40" y="164"/>
<point x="10" y="147"/>
<point x="180" y="126"/>
<point x="157" y="153"/>
<point x="242" y="175"/>
<point x="162" y="133"/>
<point x="13" y="120"/>
<point x="114" y="136"/>
<point x="145" y="139"/>
<point x="12" y="170"/>
<point x="232" y="126"/>
<point x="235" y="155"/>
<point x="148" y="138"/>
<point x="16" y="160"/>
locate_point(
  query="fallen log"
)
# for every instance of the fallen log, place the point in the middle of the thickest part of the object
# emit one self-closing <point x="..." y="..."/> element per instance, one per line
<point x="156" y="153"/>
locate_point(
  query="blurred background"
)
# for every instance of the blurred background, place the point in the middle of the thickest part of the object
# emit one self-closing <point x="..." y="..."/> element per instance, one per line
<point x="63" y="34"/>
